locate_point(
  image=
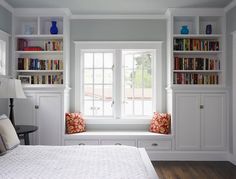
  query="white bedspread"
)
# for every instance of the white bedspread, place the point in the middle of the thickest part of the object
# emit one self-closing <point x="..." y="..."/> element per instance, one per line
<point x="72" y="162"/>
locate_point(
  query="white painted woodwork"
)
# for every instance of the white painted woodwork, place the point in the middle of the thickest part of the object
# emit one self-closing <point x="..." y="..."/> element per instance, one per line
<point x="81" y="142"/>
<point x="155" y="145"/>
<point x="187" y="121"/>
<point x="119" y="142"/>
<point x="213" y="122"/>
<point x="49" y="119"/>
<point x="201" y="121"/>
<point x="25" y="114"/>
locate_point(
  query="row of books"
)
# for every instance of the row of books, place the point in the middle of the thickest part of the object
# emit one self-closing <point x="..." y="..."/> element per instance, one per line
<point x="47" y="79"/>
<point x="39" y="64"/>
<point x="196" y="45"/>
<point x="53" y="45"/>
<point x="195" y="78"/>
<point x="181" y="63"/>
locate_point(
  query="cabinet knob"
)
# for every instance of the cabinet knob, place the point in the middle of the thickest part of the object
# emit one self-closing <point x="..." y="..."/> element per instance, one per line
<point x="201" y="107"/>
<point x="154" y="144"/>
<point x="36" y="106"/>
<point x="81" y="144"/>
<point x="118" y="144"/>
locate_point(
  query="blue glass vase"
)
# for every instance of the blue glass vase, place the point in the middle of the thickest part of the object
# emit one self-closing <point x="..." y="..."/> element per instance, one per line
<point x="184" y="29"/>
<point x="54" y="29"/>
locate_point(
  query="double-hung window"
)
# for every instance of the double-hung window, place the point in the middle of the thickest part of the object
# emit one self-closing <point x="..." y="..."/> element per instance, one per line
<point x="3" y="52"/>
<point x="118" y="80"/>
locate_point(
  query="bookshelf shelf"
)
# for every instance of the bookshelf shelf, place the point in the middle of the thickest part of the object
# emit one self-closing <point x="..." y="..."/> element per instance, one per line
<point x="196" y="52"/>
<point x="39" y="71"/>
<point x="197" y="71"/>
<point x="39" y="52"/>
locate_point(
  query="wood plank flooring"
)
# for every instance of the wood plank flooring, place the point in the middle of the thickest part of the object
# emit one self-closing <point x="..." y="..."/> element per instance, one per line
<point x="195" y="170"/>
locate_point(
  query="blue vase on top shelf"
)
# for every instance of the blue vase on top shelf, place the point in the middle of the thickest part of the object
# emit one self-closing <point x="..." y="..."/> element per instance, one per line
<point x="54" y="29"/>
<point x="184" y="30"/>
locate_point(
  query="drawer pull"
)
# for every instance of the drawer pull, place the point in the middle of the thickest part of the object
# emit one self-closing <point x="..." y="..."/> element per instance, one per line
<point x="154" y="144"/>
<point x="81" y="144"/>
<point x="118" y="144"/>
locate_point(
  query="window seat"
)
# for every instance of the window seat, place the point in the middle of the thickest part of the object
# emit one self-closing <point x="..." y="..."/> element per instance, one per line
<point x="143" y="139"/>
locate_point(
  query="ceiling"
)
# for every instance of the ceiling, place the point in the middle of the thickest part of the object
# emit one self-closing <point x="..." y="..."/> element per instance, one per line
<point x="122" y="7"/>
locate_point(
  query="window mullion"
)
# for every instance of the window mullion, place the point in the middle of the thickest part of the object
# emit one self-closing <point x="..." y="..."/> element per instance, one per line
<point x="142" y="87"/>
<point x="133" y="85"/>
<point x="93" y="108"/>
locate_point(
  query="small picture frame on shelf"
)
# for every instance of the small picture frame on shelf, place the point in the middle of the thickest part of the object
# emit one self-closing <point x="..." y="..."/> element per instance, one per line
<point x="28" y="29"/>
<point x="25" y="79"/>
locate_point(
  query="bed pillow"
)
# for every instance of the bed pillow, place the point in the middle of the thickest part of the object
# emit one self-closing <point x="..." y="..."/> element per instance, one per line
<point x="74" y="123"/>
<point x="8" y="133"/>
<point x="3" y="149"/>
<point x="160" y="123"/>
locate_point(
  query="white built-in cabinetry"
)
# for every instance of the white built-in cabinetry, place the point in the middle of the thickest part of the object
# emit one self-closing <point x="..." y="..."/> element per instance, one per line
<point x="45" y="110"/>
<point x="196" y="93"/>
<point x="41" y="61"/>
<point x="200" y="121"/>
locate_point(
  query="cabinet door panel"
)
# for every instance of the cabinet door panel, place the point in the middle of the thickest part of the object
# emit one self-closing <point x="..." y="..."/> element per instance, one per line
<point x="187" y="121"/>
<point x="24" y="110"/>
<point x="213" y="122"/>
<point x="49" y="119"/>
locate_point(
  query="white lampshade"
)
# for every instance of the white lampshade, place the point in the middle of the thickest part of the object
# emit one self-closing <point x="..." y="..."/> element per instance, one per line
<point x="11" y="88"/>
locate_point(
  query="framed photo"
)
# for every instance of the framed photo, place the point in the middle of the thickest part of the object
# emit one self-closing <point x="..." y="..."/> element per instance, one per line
<point x="25" y="79"/>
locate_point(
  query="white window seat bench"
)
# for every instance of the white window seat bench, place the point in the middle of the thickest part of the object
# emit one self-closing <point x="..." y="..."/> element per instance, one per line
<point x="142" y="139"/>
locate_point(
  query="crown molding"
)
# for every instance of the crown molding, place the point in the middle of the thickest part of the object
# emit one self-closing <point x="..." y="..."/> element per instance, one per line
<point x="230" y="6"/>
<point x="138" y="16"/>
<point x="7" y="6"/>
<point x="42" y="11"/>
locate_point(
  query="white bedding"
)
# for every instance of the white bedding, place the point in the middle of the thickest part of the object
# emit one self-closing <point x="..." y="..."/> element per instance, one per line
<point x="82" y="162"/>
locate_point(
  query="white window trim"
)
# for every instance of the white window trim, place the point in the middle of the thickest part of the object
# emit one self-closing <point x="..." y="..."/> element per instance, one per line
<point x="5" y="37"/>
<point x="118" y="46"/>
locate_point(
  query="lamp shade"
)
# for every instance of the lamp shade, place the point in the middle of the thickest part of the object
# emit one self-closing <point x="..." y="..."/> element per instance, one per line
<point x="11" y="88"/>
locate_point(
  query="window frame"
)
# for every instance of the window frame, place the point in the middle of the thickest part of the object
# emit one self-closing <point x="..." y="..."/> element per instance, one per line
<point x="5" y="37"/>
<point x="117" y="47"/>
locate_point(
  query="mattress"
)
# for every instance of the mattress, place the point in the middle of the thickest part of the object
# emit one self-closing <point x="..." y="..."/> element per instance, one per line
<point x="83" y="162"/>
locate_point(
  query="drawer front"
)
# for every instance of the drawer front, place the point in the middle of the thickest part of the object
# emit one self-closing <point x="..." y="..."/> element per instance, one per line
<point x="155" y="144"/>
<point x="81" y="142"/>
<point x="118" y="142"/>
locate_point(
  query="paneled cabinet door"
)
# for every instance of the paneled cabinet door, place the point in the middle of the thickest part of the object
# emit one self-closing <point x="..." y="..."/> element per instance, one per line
<point x="187" y="121"/>
<point x="25" y="114"/>
<point x="213" y="122"/>
<point x="49" y="114"/>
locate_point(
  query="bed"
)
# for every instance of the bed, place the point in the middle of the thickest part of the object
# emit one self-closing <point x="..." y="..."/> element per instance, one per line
<point x="83" y="162"/>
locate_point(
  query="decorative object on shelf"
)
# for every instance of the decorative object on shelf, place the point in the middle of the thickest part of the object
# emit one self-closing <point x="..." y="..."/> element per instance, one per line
<point x="74" y="123"/>
<point x="160" y="123"/>
<point x="28" y="29"/>
<point x="209" y="29"/>
<point x="11" y="88"/>
<point x="184" y="30"/>
<point x="25" y="79"/>
<point x="54" y="29"/>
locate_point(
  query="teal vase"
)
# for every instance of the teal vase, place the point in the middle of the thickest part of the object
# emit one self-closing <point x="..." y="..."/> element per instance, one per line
<point x="184" y="29"/>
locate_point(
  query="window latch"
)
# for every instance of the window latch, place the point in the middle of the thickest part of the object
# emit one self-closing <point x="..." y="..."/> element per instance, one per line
<point x="112" y="103"/>
<point x="113" y="66"/>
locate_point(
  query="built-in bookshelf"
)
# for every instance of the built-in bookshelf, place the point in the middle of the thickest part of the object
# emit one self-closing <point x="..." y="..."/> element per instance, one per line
<point x="197" y="58"/>
<point x="39" y="54"/>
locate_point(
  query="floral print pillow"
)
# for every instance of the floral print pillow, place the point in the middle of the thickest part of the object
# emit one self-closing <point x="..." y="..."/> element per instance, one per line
<point x="74" y="123"/>
<point x="160" y="123"/>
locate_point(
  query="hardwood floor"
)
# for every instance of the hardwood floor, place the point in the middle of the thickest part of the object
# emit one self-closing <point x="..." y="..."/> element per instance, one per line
<point x="195" y="170"/>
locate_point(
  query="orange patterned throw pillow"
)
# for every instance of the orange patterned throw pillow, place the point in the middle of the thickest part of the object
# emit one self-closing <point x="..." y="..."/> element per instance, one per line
<point x="160" y="123"/>
<point x="74" y="123"/>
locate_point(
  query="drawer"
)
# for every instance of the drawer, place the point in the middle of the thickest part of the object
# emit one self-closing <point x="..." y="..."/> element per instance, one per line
<point x="155" y="144"/>
<point x="118" y="142"/>
<point x="81" y="142"/>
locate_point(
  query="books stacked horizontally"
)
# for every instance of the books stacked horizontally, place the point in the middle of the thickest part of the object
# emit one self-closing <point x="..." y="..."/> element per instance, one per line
<point x="39" y="64"/>
<point x="196" y="45"/>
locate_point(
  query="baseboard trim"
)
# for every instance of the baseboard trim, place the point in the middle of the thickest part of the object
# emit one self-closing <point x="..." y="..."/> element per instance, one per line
<point x="231" y="158"/>
<point x="188" y="155"/>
